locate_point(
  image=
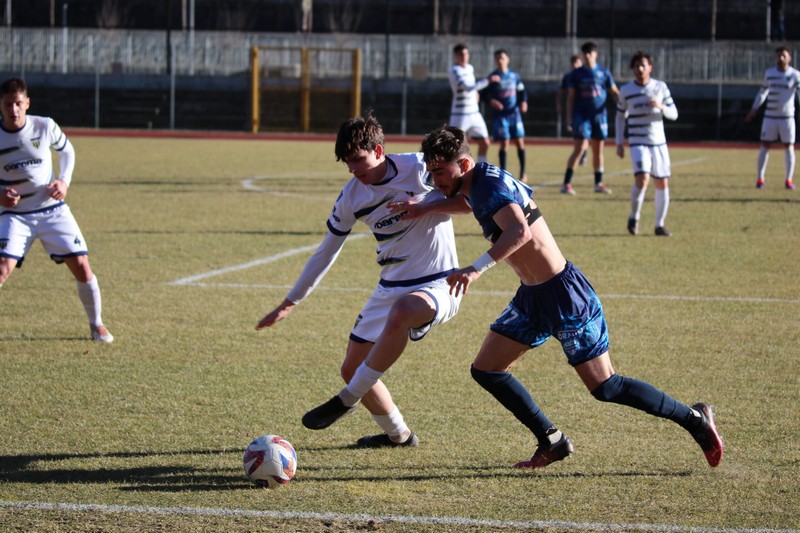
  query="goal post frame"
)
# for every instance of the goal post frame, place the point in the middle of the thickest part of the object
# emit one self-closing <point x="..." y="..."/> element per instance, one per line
<point x="305" y="82"/>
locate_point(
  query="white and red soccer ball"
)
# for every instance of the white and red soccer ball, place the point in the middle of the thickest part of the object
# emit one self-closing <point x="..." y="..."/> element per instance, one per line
<point x="270" y="461"/>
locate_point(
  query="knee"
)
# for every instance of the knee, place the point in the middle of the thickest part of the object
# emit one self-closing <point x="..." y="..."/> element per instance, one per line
<point x="486" y="378"/>
<point x="609" y="389"/>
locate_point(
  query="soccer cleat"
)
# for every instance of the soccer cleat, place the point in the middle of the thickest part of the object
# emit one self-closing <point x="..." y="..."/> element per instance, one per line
<point x="101" y="334"/>
<point x="661" y="231"/>
<point x="760" y="183"/>
<point x="633" y="226"/>
<point x="790" y="185"/>
<point x="383" y="441"/>
<point x="707" y="436"/>
<point x="327" y="413"/>
<point x="545" y="455"/>
<point x="601" y="188"/>
<point x="567" y="189"/>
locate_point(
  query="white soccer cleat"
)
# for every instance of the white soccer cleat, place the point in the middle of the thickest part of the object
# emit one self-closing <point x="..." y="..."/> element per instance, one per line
<point x="101" y="334"/>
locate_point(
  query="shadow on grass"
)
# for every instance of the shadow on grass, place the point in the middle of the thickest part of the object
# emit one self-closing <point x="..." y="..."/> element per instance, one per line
<point x="190" y="478"/>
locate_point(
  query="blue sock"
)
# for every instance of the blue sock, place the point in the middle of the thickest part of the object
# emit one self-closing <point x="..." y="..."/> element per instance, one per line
<point x="514" y="397"/>
<point x="645" y="397"/>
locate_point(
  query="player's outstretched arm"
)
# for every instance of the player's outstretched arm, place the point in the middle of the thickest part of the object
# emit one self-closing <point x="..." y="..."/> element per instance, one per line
<point x="276" y="315"/>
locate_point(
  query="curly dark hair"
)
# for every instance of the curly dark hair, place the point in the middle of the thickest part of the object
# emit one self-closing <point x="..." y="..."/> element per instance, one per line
<point x="446" y="143"/>
<point x="358" y="133"/>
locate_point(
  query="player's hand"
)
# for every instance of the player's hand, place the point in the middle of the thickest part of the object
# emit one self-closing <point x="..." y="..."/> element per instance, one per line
<point x="277" y="314"/>
<point x="497" y="104"/>
<point x="460" y="280"/>
<point x="494" y="78"/>
<point x="523" y="107"/>
<point x="410" y="209"/>
<point x="57" y="189"/>
<point x="749" y="116"/>
<point x="9" y="198"/>
<point x="621" y="151"/>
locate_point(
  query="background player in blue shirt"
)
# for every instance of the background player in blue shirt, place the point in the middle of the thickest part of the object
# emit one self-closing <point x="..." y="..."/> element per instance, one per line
<point x="553" y="299"/>
<point x="508" y="100"/>
<point x="575" y="61"/>
<point x="587" y="118"/>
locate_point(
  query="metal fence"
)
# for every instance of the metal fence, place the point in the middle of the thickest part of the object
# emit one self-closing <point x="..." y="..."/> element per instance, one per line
<point x="82" y="51"/>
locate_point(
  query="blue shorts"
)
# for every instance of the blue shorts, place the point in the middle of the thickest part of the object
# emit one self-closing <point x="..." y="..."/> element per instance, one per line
<point x="508" y="126"/>
<point x="590" y="127"/>
<point x="565" y="307"/>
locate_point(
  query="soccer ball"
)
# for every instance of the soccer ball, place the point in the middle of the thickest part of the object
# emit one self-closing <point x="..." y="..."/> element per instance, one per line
<point x="270" y="461"/>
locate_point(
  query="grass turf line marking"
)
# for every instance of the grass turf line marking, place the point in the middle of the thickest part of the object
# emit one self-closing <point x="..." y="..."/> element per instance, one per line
<point x="354" y="518"/>
<point x="190" y="280"/>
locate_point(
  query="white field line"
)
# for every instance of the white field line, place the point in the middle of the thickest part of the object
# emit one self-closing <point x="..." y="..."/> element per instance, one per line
<point x="191" y="280"/>
<point x="357" y="518"/>
<point x="250" y="184"/>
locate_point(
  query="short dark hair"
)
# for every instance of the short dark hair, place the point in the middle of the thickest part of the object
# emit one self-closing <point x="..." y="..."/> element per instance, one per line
<point x="457" y="49"/>
<point x="573" y="58"/>
<point x="501" y="51"/>
<point x="358" y="133"/>
<point x="446" y="143"/>
<point x="14" y="86"/>
<point x="782" y="49"/>
<point x="588" y="47"/>
<point x="638" y="56"/>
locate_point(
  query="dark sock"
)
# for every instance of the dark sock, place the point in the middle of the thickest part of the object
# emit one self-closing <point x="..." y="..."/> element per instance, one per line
<point x="515" y="397"/>
<point x="568" y="176"/>
<point x="645" y="397"/>
<point x="503" y="156"/>
<point x="598" y="177"/>
<point x="521" y="154"/>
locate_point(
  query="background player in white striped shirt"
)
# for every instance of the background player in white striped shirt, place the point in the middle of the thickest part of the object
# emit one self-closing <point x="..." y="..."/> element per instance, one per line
<point x="644" y="104"/>
<point x="779" y="90"/>
<point x="465" y="112"/>
<point x="32" y="198"/>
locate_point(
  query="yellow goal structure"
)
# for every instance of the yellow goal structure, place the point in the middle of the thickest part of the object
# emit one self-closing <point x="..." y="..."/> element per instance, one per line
<point x="303" y="88"/>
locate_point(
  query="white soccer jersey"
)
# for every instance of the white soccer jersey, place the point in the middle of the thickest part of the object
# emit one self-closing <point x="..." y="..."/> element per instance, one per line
<point x="645" y="122"/>
<point x="779" y="90"/>
<point x="465" y="90"/>
<point x="26" y="163"/>
<point x="407" y="249"/>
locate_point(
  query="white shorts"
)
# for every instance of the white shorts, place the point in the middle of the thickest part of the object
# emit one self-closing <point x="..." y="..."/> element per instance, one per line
<point x="473" y="125"/>
<point x="653" y="160"/>
<point x="370" y="322"/>
<point x="55" y="227"/>
<point x="780" y="130"/>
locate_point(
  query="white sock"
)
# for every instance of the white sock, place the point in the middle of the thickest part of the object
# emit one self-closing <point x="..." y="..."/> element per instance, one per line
<point x="637" y="199"/>
<point x="89" y="293"/>
<point x="362" y="381"/>
<point x="393" y="424"/>
<point x="662" y="206"/>
<point x="789" y="158"/>
<point x="763" y="159"/>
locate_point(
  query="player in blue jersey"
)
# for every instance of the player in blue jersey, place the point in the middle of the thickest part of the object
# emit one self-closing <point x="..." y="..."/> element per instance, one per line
<point x="415" y="257"/>
<point x="32" y="199"/>
<point x="553" y="299"/>
<point x="575" y="61"/>
<point x="508" y="100"/>
<point x="587" y="118"/>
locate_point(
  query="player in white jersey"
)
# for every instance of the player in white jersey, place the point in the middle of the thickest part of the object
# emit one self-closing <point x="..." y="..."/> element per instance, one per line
<point x="415" y="256"/>
<point x="779" y="90"/>
<point x="465" y="113"/>
<point x="644" y="104"/>
<point x="32" y="198"/>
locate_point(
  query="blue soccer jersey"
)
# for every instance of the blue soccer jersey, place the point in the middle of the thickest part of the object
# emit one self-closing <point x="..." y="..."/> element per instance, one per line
<point x="509" y="91"/>
<point x="492" y="189"/>
<point x="591" y="89"/>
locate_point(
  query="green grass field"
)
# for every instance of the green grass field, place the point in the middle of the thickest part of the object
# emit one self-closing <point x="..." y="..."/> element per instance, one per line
<point x="148" y="433"/>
